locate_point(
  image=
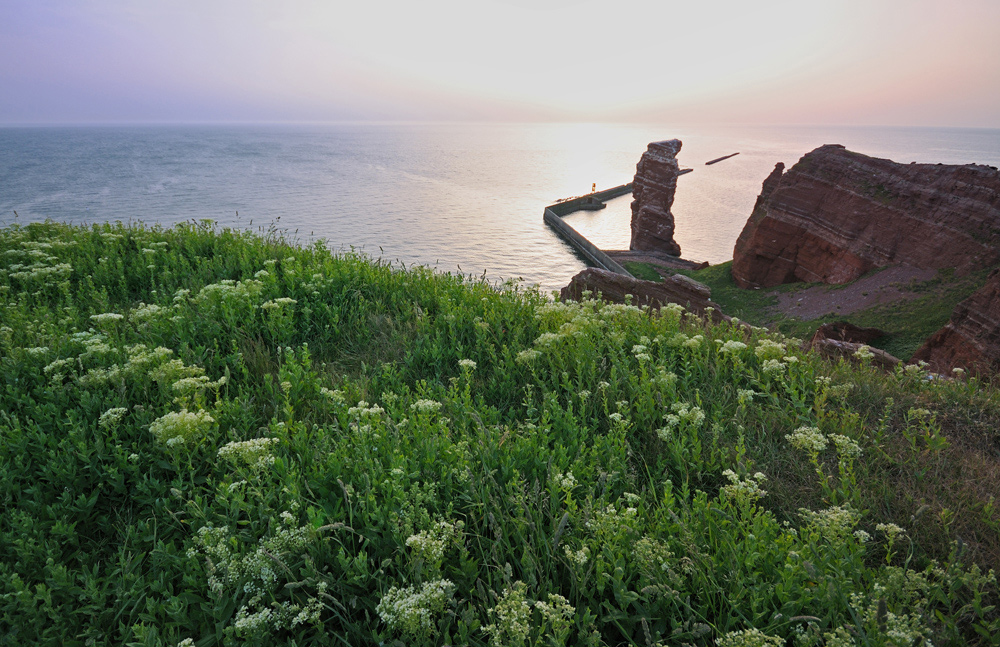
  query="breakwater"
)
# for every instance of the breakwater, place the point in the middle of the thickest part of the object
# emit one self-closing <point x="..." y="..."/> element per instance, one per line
<point x="553" y="217"/>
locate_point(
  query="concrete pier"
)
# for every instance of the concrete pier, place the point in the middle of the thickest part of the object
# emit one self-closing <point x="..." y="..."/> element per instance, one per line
<point x="592" y="201"/>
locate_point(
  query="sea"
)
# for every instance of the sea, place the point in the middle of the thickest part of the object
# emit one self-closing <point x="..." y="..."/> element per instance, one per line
<point x="461" y="198"/>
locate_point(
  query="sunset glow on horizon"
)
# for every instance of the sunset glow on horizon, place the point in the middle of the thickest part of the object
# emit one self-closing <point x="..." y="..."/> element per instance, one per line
<point x="849" y="62"/>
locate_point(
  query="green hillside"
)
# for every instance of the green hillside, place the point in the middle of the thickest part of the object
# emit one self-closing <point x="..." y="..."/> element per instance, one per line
<point x="218" y="437"/>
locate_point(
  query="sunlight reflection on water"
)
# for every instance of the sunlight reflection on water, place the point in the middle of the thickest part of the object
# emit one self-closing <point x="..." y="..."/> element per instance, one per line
<point x="451" y="196"/>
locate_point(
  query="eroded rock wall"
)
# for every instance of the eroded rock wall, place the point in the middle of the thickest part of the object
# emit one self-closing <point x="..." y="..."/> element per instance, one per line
<point x="837" y="214"/>
<point x="653" y="195"/>
<point x="971" y="340"/>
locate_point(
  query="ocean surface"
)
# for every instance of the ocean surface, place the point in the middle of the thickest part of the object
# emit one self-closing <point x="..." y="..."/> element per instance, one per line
<point x="456" y="197"/>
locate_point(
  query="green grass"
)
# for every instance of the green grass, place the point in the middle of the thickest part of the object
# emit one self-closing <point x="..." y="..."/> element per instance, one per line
<point x="210" y="437"/>
<point x="907" y="323"/>
<point x="644" y="271"/>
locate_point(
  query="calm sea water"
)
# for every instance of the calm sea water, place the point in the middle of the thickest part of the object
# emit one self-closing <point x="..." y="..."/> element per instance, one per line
<point x="456" y="197"/>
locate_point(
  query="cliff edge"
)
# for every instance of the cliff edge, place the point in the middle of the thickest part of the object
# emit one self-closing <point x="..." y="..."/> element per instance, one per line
<point x="971" y="339"/>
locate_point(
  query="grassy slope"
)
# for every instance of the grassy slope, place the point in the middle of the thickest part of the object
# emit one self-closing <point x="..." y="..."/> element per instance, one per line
<point x="907" y="323"/>
<point x="215" y="436"/>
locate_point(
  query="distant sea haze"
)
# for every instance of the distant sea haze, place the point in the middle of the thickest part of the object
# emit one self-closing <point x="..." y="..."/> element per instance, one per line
<point x="456" y="197"/>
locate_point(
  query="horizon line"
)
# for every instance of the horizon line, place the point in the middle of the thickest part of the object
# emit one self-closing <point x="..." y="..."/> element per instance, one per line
<point x="457" y="122"/>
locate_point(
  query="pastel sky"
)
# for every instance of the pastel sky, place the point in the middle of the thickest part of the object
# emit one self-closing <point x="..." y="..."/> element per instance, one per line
<point x="852" y="62"/>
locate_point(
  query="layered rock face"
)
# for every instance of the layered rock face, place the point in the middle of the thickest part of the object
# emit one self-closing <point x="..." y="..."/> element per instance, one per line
<point x="971" y="340"/>
<point x="689" y="293"/>
<point x="653" y="194"/>
<point x="836" y="214"/>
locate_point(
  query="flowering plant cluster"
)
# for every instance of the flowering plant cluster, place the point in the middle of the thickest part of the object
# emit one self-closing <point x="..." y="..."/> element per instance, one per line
<point x="254" y="453"/>
<point x="181" y="427"/>
<point x="412" y="610"/>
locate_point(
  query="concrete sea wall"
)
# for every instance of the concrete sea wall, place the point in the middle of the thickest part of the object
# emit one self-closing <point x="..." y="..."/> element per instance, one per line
<point x="553" y="218"/>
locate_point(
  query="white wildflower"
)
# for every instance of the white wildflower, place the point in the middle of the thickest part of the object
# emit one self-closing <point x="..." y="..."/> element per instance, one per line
<point x="527" y="356"/>
<point x="430" y="545"/>
<point x="747" y="490"/>
<point x="336" y="396"/>
<point x="694" y="342"/>
<point x="831" y="523"/>
<point x="411" y="611"/>
<point x="683" y="413"/>
<point x="547" y="339"/>
<point x="846" y="447"/>
<point x="277" y="304"/>
<point x="732" y="346"/>
<point x="511" y="617"/>
<point x="111" y="417"/>
<point x="749" y="638"/>
<point x="769" y="349"/>
<point x="106" y="317"/>
<point x="577" y="557"/>
<point x="864" y="353"/>
<point x="674" y="308"/>
<point x="363" y="409"/>
<point x="254" y="453"/>
<point x="564" y="481"/>
<point x="891" y="530"/>
<point x="176" y="427"/>
<point x="426" y="406"/>
<point x="188" y="385"/>
<point x="808" y="439"/>
<point x="773" y="366"/>
<point x="557" y="611"/>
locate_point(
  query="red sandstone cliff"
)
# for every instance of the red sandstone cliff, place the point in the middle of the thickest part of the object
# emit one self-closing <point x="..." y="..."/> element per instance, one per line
<point x="971" y="340"/>
<point x="837" y="214"/>
<point x="653" y="194"/>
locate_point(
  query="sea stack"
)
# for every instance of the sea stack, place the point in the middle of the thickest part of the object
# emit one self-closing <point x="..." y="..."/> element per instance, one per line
<point x="653" y="194"/>
<point x="836" y="215"/>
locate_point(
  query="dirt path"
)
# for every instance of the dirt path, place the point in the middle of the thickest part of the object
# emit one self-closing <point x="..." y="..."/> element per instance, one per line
<point x="891" y="284"/>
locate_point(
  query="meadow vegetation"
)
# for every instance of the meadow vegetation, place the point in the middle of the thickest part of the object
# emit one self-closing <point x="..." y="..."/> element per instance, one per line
<point x="907" y="323"/>
<point x="216" y="437"/>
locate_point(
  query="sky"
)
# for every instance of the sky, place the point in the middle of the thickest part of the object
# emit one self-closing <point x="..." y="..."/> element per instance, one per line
<point x="830" y="62"/>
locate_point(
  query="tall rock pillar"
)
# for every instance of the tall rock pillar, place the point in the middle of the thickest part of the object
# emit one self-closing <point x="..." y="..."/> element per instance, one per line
<point x="653" y="194"/>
